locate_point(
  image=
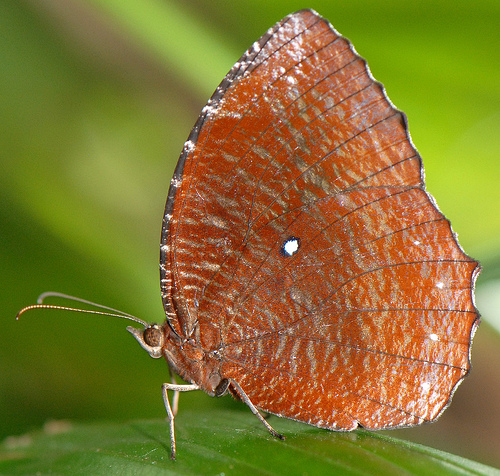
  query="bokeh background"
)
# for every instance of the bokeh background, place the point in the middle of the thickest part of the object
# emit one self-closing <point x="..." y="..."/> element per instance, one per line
<point x="96" y="100"/>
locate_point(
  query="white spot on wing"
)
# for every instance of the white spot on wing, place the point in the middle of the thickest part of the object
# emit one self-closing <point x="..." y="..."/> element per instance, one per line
<point x="291" y="246"/>
<point x="189" y="145"/>
<point x="208" y="110"/>
<point x="175" y="182"/>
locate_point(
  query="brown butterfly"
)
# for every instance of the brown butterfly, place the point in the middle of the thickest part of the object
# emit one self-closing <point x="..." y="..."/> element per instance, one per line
<point x="304" y="268"/>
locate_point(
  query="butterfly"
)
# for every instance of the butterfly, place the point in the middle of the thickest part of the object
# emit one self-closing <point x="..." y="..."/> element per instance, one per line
<point x="304" y="268"/>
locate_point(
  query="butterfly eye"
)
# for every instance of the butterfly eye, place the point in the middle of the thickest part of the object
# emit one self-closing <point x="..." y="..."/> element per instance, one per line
<point x="153" y="336"/>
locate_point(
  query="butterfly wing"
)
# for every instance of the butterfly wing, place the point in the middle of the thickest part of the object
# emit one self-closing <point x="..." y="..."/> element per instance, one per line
<point x="369" y="320"/>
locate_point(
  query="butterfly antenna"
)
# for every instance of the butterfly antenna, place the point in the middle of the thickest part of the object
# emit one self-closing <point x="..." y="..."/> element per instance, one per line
<point x="113" y="312"/>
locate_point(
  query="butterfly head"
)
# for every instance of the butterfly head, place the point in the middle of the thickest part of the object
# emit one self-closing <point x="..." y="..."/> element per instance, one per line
<point x="151" y="339"/>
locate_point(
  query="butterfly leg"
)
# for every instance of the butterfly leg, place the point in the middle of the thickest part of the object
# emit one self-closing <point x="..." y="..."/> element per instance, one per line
<point x="171" y="415"/>
<point x="254" y="410"/>
<point x="175" y="399"/>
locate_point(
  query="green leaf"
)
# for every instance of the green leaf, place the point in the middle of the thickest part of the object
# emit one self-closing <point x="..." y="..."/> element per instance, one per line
<point x="220" y="442"/>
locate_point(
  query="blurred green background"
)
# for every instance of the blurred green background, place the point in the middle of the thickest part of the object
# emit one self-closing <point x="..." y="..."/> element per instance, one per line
<point x="96" y="100"/>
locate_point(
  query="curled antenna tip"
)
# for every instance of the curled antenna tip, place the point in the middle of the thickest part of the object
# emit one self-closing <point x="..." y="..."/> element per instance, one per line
<point x="22" y="311"/>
